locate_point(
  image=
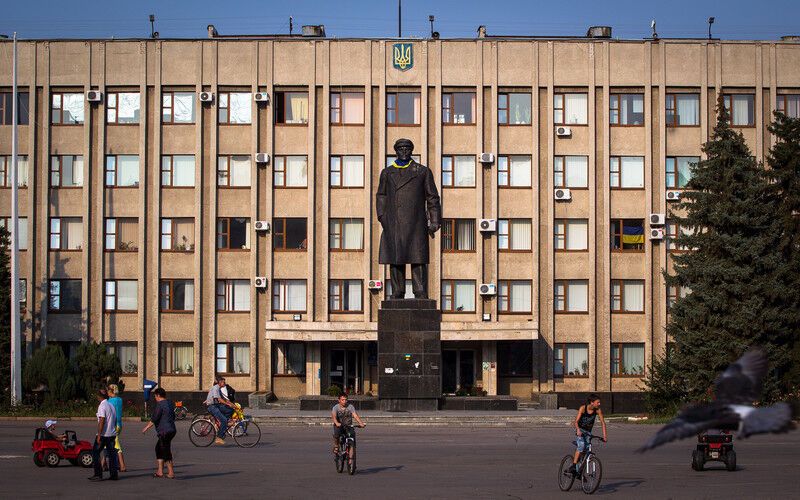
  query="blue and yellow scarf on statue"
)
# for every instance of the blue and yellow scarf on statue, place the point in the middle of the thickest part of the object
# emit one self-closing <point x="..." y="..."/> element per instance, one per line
<point x="401" y="163"/>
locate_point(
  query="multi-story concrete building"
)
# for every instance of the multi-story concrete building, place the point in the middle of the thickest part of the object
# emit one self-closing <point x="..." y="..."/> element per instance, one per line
<point x="151" y="221"/>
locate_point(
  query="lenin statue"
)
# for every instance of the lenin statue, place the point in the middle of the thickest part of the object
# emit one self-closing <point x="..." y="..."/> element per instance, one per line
<point x="409" y="210"/>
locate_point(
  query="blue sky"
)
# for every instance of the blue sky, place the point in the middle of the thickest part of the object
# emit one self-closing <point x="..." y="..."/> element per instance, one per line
<point x="735" y="19"/>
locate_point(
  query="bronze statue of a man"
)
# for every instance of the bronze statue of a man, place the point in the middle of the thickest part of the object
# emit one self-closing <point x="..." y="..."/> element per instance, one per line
<point x="409" y="211"/>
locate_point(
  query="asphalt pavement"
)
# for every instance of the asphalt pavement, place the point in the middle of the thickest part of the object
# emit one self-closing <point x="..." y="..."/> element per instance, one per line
<point x="404" y="463"/>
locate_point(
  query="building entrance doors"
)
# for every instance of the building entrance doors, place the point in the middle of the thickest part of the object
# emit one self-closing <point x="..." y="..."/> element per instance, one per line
<point x="345" y="369"/>
<point x="458" y="369"/>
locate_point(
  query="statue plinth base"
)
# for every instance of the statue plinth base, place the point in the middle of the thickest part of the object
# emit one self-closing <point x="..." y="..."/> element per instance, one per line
<point x="409" y="355"/>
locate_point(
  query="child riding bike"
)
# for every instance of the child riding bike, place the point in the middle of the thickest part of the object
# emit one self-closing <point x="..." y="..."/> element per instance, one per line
<point x="584" y="421"/>
<point x="342" y="415"/>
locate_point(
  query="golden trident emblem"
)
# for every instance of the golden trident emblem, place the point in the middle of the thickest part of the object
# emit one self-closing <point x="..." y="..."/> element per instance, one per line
<point x="403" y="56"/>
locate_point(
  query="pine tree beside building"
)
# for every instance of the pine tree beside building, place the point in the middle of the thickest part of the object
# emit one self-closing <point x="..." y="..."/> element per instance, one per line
<point x="5" y="318"/>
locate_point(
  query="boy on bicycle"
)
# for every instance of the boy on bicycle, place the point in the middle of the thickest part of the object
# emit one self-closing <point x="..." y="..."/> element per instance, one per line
<point x="583" y="424"/>
<point x="342" y="415"/>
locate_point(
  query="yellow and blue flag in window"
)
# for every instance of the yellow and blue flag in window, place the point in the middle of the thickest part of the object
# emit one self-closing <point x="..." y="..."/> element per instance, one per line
<point x="632" y="235"/>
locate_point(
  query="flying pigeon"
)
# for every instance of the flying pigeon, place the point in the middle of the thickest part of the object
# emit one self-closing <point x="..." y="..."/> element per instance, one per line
<point x="735" y="390"/>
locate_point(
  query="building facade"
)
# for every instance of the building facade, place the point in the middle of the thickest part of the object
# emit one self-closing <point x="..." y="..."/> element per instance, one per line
<point x="152" y="220"/>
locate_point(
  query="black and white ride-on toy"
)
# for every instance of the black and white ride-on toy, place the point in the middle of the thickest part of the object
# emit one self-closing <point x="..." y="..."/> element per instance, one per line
<point x="714" y="448"/>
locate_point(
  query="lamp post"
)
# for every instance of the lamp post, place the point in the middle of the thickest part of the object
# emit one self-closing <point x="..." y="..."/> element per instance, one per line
<point x="16" y="353"/>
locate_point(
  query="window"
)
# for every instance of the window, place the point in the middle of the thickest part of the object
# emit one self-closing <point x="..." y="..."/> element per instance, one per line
<point x="789" y="104"/>
<point x="571" y="171"/>
<point x="458" y="108"/>
<point x="402" y="108"/>
<point x="391" y="159"/>
<point x="122" y="234"/>
<point x="674" y="293"/>
<point x="6" y="101"/>
<point x="514" y="171"/>
<point x="289" y="234"/>
<point x="122" y="171"/>
<point x="290" y="171"/>
<point x="514" y="109"/>
<point x="683" y="110"/>
<point x="176" y="295"/>
<point x="571" y="296"/>
<point x="514" y="296"/>
<point x="345" y="296"/>
<point x="22" y="226"/>
<point x="66" y="171"/>
<point x="627" y="296"/>
<point x="458" y="171"/>
<point x="233" y="233"/>
<point x="128" y="355"/>
<point x="233" y="171"/>
<point x="121" y="295"/>
<point x="346" y="234"/>
<point x="5" y="171"/>
<point x="627" y="234"/>
<point x="66" y="233"/>
<point x="291" y="107"/>
<point x="627" y="360"/>
<point x="233" y="358"/>
<point x="458" y="235"/>
<point x="515" y="358"/>
<point x="458" y="296"/>
<point x="65" y="296"/>
<point x="571" y="235"/>
<point x="288" y="358"/>
<point x="679" y="170"/>
<point x="514" y="234"/>
<point x="347" y="171"/>
<point x="177" y="171"/>
<point x="347" y="108"/>
<point x="570" y="109"/>
<point x="571" y="360"/>
<point x="122" y="107"/>
<point x="627" y="172"/>
<point x="177" y="107"/>
<point x="233" y="295"/>
<point x="742" y="109"/>
<point x="177" y="358"/>
<point x="66" y="108"/>
<point x="289" y="296"/>
<point x="627" y="109"/>
<point x="674" y="230"/>
<point x="235" y="107"/>
<point x="177" y="234"/>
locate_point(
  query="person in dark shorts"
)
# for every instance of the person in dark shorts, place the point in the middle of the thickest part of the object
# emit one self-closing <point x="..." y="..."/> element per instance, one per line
<point x="584" y="422"/>
<point x="164" y="421"/>
<point x="342" y="415"/>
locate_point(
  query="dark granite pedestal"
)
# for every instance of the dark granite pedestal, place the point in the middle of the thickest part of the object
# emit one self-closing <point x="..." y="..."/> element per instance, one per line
<point x="409" y="355"/>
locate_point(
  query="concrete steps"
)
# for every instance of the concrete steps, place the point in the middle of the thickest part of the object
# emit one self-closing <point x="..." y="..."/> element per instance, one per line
<point x="527" y="418"/>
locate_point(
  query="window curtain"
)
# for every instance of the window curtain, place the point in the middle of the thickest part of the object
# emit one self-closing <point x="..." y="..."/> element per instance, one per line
<point x="128" y="358"/>
<point x="792" y="106"/>
<point x="22" y="171"/>
<point x="239" y="171"/>
<point x="71" y="170"/>
<point x="183" y="170"/>
<point x="72" y="108"/>
<point x="241" y="295"/>
<point x="520" y="296"/>
<point x="519" y="109"/>
<point x="182" y="358"/>
<point x="634" y="296"/>
<point x="72" y="233"/>
<point x="352" y="169"/>
<point x="578" y="296"/>
<point x="684" y="171"/>
<point x="240" y="362"/>
<point x="127" y="295"/>
<point x="183" y="231"/>
<point x="631" y="172"/>
<point x="576" y="169"/>
<point x="298" y="107"/>
<point x="417" y="108"/>
<point x="688" y="107"/>
<point x="577" y="235"/>
<point x="465" y="235"/>
<point x="577" y="360"/>
<point x="352" y="107"/>
<point x="183" y="107"/>
<point x="633" y="359"/>
<point x="127" y="170"/>
<point x="353" y="296"/>
<point x="296" y="171"/>
<point x="575" y="108"/>
<point x="184" y="295"/>
<point x="22" y="227"/>
<point x="239" y="107"/>
<point x="521" y="234"/>
<point x="352" y="234"/>
<point x="520" y="171"/>
<point x="464" y="171"/>
<point x="742" y="109"/>
<point x="464" y="296"/>
<point x="292" y="296"/>
<point x="295" y="359"/>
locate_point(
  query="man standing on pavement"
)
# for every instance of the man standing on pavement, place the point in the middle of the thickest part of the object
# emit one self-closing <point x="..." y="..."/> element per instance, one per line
<point x="106" y="436"/>
<point x="219" y="406"/>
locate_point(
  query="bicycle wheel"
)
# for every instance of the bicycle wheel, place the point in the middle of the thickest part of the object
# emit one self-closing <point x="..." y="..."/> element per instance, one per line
<point x="246" y="433"/>
<point x="591" y="475"/>
<point x="351" y="463"/>
<point x="565" y="477"/>
<point x="202" y="432"/>
<point x="341" y="457"/>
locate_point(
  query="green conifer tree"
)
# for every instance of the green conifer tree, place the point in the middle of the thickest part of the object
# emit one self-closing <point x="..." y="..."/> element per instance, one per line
<point x="5" y="318"/>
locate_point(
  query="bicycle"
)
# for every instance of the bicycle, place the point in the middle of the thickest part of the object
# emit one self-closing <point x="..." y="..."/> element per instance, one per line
<point x="588" y="468"/>
<point x="347" y="449"/>
<point x="180" y="411"/>
<point x="244" y="431"/>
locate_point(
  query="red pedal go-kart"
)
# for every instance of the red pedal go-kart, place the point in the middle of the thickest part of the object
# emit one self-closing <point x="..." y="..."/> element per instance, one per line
<point x="714" y="447"/>
<point x="49" y="452"/>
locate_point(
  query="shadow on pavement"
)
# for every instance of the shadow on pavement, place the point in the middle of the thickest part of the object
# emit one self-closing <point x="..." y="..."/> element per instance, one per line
<point x="615" y="487"/>
<point x="198" y="476"/>
<point x="375" y="470"/>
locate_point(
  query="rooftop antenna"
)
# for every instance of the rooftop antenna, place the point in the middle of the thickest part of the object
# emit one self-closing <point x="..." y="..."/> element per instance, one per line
<point x="291" y="25"/>
<point x="710" y="22"/>
<point x="153" y="32"/>
<point x="399" y="18"/>
<point x="434" y="34"/>
<point x="653" y="27"/>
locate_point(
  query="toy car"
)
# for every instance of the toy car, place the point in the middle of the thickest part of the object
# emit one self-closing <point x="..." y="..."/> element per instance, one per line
<point x="714" y="447"/>
<point x="49" y="452"/>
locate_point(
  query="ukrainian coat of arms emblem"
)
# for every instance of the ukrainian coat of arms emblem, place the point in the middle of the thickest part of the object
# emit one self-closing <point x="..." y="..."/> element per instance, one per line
<point x="403" y="56"/>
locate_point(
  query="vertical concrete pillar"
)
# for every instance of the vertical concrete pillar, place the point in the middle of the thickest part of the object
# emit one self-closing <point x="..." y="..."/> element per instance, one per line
<point x="313" y="367"/>
<point x="489" y="376"/>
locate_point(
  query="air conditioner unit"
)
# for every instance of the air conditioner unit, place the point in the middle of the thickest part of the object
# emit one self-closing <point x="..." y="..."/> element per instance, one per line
<point x="487" y="225"/>
<point x="486" y="158"/>
<point x="488" y="289"/>
<point x="206" y="96"/>
<point x="563" y="131"/>
<point x="94" y="96"/>
<point x="375" y="284"/>
<point x="657" y="233"/>
<point x="673" y="195"/>
<point x="262" y="158"/>
<point x="562" y="194"/>
<point x="261" y="97"/>
<point x="657" y="219"/>
<point x="262" y="225"/>
<point x="261" y="282"/>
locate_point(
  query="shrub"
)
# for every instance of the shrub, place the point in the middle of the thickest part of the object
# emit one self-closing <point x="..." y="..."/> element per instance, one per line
<point x="334" y="391"/>
<point x="664" y="392"/>
<point x="49" y="370"/>
<point x="94" y="368"/>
